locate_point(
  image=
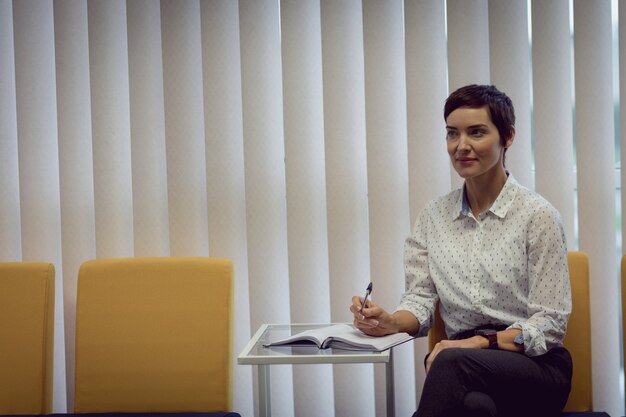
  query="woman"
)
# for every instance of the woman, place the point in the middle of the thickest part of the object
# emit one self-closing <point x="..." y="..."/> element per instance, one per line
<point x="493" y="254"/>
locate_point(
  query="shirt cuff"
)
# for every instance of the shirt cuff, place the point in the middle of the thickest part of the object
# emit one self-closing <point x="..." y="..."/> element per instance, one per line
<point x="423" y="317"/>
<point x="534" y="339"/>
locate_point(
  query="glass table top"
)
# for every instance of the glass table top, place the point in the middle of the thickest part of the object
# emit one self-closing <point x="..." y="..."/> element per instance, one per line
<point x="255" y="354"/>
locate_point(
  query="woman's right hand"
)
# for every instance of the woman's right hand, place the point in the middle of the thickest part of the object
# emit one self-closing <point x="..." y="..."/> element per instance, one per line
<point x="372" y="319"/>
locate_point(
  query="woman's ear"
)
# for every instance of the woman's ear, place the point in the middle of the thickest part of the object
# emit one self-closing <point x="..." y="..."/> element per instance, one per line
<point x="511" y="138"/>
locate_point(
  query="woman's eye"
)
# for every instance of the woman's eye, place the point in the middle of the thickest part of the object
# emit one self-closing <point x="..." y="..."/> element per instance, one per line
<point x="451" y="134"/>
<point x="477" y="133"/>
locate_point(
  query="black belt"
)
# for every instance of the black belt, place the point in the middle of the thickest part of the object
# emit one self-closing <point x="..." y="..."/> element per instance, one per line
<point x="466" y="334"/>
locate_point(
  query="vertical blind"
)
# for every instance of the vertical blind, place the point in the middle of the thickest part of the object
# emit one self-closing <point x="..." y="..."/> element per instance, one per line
<point x="299" y="139"/>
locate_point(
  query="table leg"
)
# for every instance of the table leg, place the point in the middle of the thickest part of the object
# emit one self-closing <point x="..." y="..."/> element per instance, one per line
<point x="265" y="406"/>
<point x="391" y="400"/>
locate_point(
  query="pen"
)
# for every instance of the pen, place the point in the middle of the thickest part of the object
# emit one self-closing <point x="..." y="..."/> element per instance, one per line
<point x="368" y="291"/>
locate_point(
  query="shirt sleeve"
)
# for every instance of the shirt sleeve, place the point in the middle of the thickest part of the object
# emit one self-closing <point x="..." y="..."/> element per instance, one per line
<point x="549" y="296"/>
<point x="420" y="296"/>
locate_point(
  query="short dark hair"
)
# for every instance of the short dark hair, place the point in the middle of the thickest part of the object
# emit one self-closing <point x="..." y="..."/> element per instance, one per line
<point x="475" y="96"/>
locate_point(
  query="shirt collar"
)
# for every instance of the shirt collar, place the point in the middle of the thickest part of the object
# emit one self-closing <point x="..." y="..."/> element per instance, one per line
<point x="499" y="207"/>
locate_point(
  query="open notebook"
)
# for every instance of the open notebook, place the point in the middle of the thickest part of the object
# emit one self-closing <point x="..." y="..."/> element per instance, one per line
<point x="342" y="336"/>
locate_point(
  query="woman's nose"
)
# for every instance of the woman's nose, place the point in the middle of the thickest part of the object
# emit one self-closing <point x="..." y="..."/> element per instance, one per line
<point x="464" y="143"/>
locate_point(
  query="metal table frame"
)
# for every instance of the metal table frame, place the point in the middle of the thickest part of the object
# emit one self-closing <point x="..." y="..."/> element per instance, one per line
<point x="255" y="354"/>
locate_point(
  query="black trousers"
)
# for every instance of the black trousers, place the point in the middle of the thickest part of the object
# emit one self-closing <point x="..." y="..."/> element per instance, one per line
<point x="496" y="383"/>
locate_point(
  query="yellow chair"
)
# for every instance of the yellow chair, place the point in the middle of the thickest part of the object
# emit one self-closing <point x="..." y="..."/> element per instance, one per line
<point x="577" y="340"/>
<point x="623" y="274"/>
<point x="578" y="337"/>
<point x="154" y="335"/>
<point x="27" y="337"/>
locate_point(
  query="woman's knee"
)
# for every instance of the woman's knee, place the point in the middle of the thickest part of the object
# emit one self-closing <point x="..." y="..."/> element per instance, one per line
<point x="479" y="404"/>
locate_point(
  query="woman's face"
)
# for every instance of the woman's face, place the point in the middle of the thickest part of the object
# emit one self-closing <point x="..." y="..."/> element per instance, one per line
<point x="474" y="142"/>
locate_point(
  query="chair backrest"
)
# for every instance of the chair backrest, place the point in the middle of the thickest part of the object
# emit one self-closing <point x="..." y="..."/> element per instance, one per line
<point x="578" y="337"/>
<point x="27" y="337"/>
<point x="577" y="340"/>
<point x="154" y="335"/>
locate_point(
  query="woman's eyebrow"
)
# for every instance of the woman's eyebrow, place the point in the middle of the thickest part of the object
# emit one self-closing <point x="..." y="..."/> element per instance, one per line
<point x="478" y="125"/>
